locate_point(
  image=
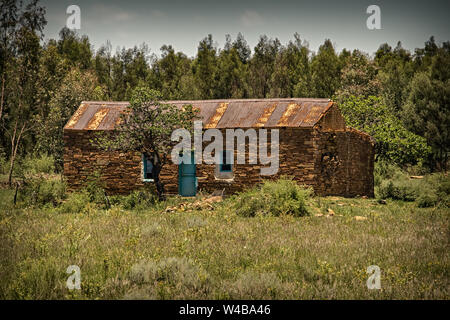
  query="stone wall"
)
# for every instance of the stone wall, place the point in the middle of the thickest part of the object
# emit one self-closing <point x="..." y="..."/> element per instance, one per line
<point x="344" y="163"/>
<point x="121" y="171"/>
<point x="332" y="162"/>
<point x="296" y="159"/>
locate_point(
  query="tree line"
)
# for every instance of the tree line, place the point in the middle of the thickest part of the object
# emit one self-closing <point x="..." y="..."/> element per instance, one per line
<point x="399" y="97"/>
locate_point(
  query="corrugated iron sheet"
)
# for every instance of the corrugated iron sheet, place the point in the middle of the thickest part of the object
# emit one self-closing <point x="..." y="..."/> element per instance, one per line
<point x="220" y="110"/>
<point x="76" y="116"/>
<point x="265" y="116"/>
<point x="233" y="113"/>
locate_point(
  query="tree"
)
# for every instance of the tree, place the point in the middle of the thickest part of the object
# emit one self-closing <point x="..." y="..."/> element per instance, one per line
<point x="358" y="77"/>
<point x="394" y="143"/>
<point x="129" y="68"/>
<point x="103" y="67"/>
<point x="205" y="68"/>
<point x="21" y="31"/>
<point x="76" y="49"/>
<point x="397" y="69"/>
<point x="242" y="48"/>
<point x="427" y="110"/>
<point x="232" y="78"/>
<point x="424" y="56"/>
<point x="262" y="66"/>
<point x="170" y="72"/>
<point x="146" y="127"/>
<point x="75" y="87"/>
<point x="325" y="70"/>
<point x="291" y="75"/>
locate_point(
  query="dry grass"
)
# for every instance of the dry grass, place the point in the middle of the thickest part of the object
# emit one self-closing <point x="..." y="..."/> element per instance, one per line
<point x="216" y="254"/>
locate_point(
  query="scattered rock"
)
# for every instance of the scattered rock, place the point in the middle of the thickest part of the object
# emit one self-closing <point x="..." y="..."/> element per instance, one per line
<point x="318" y="215"/>
<point x="334" y="198"/>
<point x="213" y="199"/>
<point x="197" y="205"/>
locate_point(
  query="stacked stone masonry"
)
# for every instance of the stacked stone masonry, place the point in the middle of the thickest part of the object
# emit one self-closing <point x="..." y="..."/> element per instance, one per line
<point x="332" y="159"/>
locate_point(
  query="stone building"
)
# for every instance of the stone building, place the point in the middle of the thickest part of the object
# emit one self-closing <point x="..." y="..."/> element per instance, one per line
<point x="316" y="148"/>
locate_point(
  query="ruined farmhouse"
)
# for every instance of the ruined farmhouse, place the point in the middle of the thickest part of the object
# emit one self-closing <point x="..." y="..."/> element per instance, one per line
<point x="316" y="149"/>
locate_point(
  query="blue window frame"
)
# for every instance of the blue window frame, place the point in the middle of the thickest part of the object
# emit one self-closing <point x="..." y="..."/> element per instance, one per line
<point x="225" y="161"/>
<point x="147" y="166"/>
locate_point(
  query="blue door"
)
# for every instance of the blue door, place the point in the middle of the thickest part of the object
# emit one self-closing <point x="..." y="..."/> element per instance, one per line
<point x="187" y="182"/>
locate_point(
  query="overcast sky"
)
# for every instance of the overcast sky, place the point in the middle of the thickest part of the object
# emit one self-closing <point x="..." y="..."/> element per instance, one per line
<point x="184" y="23"/>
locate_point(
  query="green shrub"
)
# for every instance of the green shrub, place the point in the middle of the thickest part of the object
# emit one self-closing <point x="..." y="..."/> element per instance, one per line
<point x="75" y="203"/>
<point x="397" y="190"/>
<point x="394" y="142"/>
<point x="440" y="184"/>
<point x="272" y="198"/>
<point x="151" y="230"/>
<point x="34" y="164"/>
<point x="431" y="190"/>
<point x="170" y="278"/>
<point x="443" y="185"/>
<point x="385" y="170"/>
<point x="427" y="200"/>
<point x="252" y="285"/>
<point x="95" y="188"/>
<point x="40" y="191"/>
<point x="138" y="199"/>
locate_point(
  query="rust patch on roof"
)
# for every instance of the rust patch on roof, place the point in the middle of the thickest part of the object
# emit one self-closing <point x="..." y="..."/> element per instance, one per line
<point x="266" y="115"/>
<point x="226" y="113"/>
<point x="217" y="116"/>
<point x="313" y="116"/>
<point x="330" y="104"/>
<point x="76" y="116"/>
<point x="291" y="109"/>
<point x="97" y="118"/>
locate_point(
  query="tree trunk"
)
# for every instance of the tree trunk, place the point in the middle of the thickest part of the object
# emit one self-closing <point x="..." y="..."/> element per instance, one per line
<point x="11" y="167"/>
<point x="2" y="98"/>
<point x="155" y="175"/>
<point x="160" y="189"/>
<point x="14" y="146"/>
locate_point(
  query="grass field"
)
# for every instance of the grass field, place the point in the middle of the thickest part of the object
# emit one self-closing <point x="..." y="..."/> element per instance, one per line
<point x="211" y="252"/>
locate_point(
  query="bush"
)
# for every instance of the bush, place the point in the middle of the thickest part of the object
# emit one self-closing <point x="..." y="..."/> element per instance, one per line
<point x="255" y="286"/>
<point x="438" y="187"/>
<point x="393" y="141"/>
<point x="385" y="170"/>
<point x="35" y="164"/>
<point x="427" y="200"/>
<point x="95" y="188"/>
<point x="75" y="203"/>
<point x="40" y="191"/>
<point x="170" y="278"/>
<point x="138" y="199"/>
<point x="272" y="198"/>
<point x="429" y="191"/>
<point x="397" y="190"/>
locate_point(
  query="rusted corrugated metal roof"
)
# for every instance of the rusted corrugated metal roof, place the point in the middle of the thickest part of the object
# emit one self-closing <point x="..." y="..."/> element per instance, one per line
<point x="233" y="113"/>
